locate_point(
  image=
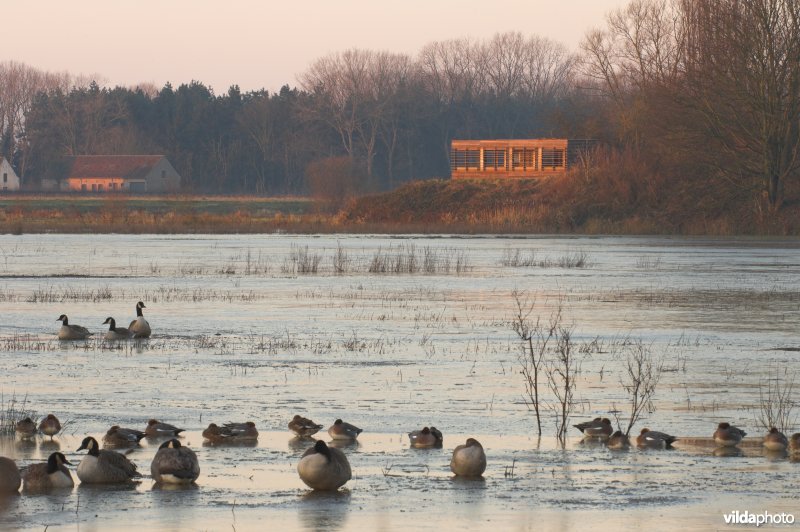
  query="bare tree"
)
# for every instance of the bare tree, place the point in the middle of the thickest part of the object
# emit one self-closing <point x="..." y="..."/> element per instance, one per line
<point x="642" y="373"/>
<point x="535" y="340"/>
<point x="562" y="372"/>
<point x="742" y="78"/>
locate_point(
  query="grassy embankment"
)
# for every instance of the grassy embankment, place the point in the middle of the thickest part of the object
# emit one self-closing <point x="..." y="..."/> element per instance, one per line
<point x="601" y="203"/>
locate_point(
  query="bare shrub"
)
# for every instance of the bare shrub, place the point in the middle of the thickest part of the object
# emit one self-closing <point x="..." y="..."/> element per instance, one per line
<point x="640" y="380"/>
<point x="300" y="260"/>
<point x="775" y="401"/>
<point x="341" y="260"/>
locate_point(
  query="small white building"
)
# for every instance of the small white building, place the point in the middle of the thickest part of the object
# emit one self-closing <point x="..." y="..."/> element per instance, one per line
<point x="8" y="177"/>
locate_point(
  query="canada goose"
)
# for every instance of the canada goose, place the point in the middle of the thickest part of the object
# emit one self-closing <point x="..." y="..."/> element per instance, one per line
<point x="50" y="426"/>
<point x="468" y="460"/>
<point x="343" y="431"/>
<point x="618" y="442"/>
<point x="323" y="467"/>
<point x="427" y="437"/>
<point x="157" y="429"/>
<point x="48" y="475"/>
<point x="114" y="332"/>
<point x="652" y="439"/>
<point x="117" y="436"/>
<point x="9" y="476"/>
<point x="139" y="327"/>
<point x="775" y="440"/>
<point x="103" y="466"/>
<point x="26" y="428"/>
<point x="174" y="464"/>
<point x="71" y="332"/>
<point x="231" y="432"/>
<point x="727" y="435"/>
<point x="596" y="428"/>
<point x="303" y="427"/>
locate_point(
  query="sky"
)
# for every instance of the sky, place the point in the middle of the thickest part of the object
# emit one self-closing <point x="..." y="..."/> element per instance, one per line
<point x="260" y="43"/>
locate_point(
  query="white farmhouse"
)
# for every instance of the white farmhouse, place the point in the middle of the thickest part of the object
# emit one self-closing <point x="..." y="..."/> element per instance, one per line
<point x="8" y="177"/>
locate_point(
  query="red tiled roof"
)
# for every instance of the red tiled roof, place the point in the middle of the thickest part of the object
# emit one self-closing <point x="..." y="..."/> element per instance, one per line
<point x="125" y="166"/>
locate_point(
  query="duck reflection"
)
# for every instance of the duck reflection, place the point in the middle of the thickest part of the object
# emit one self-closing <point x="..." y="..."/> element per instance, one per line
<point x="728" y="452"/>
<point x="50" y="446"/>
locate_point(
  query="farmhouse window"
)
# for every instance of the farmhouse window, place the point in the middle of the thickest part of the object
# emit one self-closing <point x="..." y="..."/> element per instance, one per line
<point x="5" y="177"/>
<point x="465" y="159"/>
<point x="523" y="159"/>
<point x="494" y="159"/>
<point x="552" y="158"/>
<point x="83" y="186"/>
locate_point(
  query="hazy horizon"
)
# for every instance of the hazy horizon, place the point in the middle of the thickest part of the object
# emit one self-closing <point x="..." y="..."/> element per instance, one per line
<point x="257" y="45"/>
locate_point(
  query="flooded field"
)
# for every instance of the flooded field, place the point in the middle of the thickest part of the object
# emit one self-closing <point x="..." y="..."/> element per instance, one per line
<point x="393" y="334"/>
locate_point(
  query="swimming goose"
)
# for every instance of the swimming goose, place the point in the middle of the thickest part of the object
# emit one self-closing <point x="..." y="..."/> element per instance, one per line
<point x="9" y="476"/>
<point x="596" y="428"/>
<point x="157" y="429"/>
<point x="174" y="464"/>
<point x="48" y="475"/>
<point x="323" y="467"/>
<point x="618" y="442"/>
<point x="343" y="431"/>
<point x="26" y="428"/>
<point x="427" y="437"/>
<point x="139" y="327"/>
<point x="775" y="440"/>
<point x="103" y="466"/>
<point x="114" y="332"/>
<point x="652" y="439"/>
<point x="303" y="426"/>
<point x="50" y="426"/>
<point x="468" y="460"/>
<point x="71" y="332"/>
<point x="231" y="432"/>
<point x="727" y="435"/>
<point x="117" y="436"/>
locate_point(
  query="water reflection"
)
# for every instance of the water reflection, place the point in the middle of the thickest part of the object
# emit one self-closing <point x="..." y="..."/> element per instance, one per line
<point x="773" y="456"/>
<point x="728" y="452"/>
<point x="350" y="445"/>
<point x="242" y="443"/>
<point x="50" y="446"/>
<point x="301" y="444"/>
<point x="324" y="510"/>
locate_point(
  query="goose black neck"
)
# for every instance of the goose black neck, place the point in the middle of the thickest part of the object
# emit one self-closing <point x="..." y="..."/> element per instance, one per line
<point x="139" y="311"/>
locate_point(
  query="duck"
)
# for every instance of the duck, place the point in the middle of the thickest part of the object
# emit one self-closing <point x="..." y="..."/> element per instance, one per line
<point x="343" y="431"/>
<point x="596" y="428"/>
<point x="303" y="427"/>
<point x="425" y="438"/>
<point x="652" y="439"/>
<point x="157" y="429"/>
<point x="775" y="440"/>
<point x="52" y="474"/>
<point x="174" y="464"/>
<point x="71" y="332"/>
<point x="103" y="466"/>
<point x="727" y="435"/>
<point x="10" y="480"/>
<point x="794" y="442"/>
<point x="26" y="428"/>
<point x="114" y="332"/>
<point x="139" y="327"/>
<point x="324" y="468"/>
<point x="118" y="436"/>
<point x="469" y="460"/>
<point x="619" y="441"/>
<point x="231" y="432"/>
<point x="50" y="426"/>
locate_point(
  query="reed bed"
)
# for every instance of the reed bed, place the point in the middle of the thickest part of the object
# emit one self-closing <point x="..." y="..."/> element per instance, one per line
<point x="12" y="411"/>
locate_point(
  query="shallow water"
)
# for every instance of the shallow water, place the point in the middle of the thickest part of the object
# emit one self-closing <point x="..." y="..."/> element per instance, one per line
<point x="240" y="334"/>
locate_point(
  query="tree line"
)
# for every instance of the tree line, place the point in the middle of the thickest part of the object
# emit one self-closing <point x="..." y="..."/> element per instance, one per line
<point x="693" y="88"/>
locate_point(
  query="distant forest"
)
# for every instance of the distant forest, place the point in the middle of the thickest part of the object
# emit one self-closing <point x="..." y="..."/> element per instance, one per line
<point x="689" y="90"/>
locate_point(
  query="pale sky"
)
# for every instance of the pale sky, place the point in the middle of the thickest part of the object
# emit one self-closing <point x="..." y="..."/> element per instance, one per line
<point x="260" y="43"/>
